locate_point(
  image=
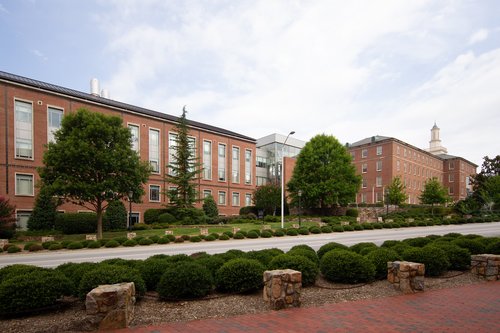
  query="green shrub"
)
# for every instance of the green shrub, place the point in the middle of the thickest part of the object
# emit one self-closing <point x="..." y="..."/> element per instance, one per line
<point x="315" y="230"/>
<point x="111" y="243"/>
<point x="346" y="267"/>
<point x="152" y="215"/>
<point x="224" y="237"/>
<point x="75" y="271"/>
<point x="377" y="225"/>
<point x="238" y="235"/>
<point x="326" y="229"/>
<point x="338" y="228"/>
<point x="35" y="248"/>
<point x="55" y="246"/>
<point x="210" y="238"/>
<point x="435" y="259"/>
<point x="102" y="241"/>
<point x="145" y="241"/>
<point x="418" y="241"/>
<point x="32" y="291"/>
<point x="307" y="267"/>
<point x="367" y="226"/>
<point x="154" y="238"/>
<point x="75" y="246"/>
<point x="292" y="232"/>
<point x="493" y="247"/>
<point x="360" y="246"/>
<point x="252" y="234"/>
<point x="302" y="247"/>
<point x="330" y="246"/>
<point x="170" y="237"/>
<point x="152" y="269"/>
<point x="185" y="280"/>
<point x="110" y="274"/>
<point x="210" y="207"/>
<point x="76" y="223"/>
<point x="121" y="240"/>
<point x="163" y="240"/>
<point x="279" y="233"/>
<point x="390" y="243"/>
<point x="167" y="218"/>
<point x="186" y="237"/>
<point x="239" y="275"/>
<point x="475" y="246"/>
<point x="303" y="231"/>
<point x="459" y="258"/>
<point x="115" y="217"/>
<point x="130" y="243"/>
<point x="348" y="228"/>
<point x="122" y="262"/>
<point x="212" y="263"/>
<point x="195" y="239"/>
<point x="311" y="255"/>
<point x="11" y="271"/>
<point x="379" y="258"/>
<point x="353" y="212"/>
<point x="46" y="245"/>
<point x="13" y="249"/>
<point x="27" y="245"/>
<point x="263" y="256"/>
<point x="228" y="233"/>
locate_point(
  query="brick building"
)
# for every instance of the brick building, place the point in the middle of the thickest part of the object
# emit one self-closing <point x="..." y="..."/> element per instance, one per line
<point x="32" y="110"/>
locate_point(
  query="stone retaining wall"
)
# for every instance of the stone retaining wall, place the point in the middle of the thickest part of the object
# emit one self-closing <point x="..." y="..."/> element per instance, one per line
<point x="406" y="276"/>
<point x="486" y="266"/>
<point x="282" y="288"/>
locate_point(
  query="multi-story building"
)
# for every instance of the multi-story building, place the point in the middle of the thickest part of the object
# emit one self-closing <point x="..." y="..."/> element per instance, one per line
<point x="379" y="159"/>
<point x="32" y="110"/>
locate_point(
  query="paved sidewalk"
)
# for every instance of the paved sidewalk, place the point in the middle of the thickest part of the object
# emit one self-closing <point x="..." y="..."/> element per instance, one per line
<point x="472" y="308"/>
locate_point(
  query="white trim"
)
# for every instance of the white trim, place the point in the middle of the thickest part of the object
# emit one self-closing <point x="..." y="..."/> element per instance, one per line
<point x="53" y="107"/>
<point x="32" y="184"/>
<point x="138" y="135"/>
<point x="159" y="149"/>
<point x="32" y="158"/>
<point x="159" y="193"/>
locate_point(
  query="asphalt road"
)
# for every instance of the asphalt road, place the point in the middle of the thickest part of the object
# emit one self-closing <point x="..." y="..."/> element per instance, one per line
<point x="52" y="259"/>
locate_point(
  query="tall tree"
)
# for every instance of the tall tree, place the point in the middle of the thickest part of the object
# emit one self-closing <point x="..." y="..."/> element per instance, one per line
<point x="486" y="184"/>
<point x="325" y="174"/>
<point x="185" y="168"/>
<point x="434" y="193"/>
<point x="396" y="193"/>
<point x="92" y="162"/>
<point x="267" y="198"/>
<point x="44" y="212"/>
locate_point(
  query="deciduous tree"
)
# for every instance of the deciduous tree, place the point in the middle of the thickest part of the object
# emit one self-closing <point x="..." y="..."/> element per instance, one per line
<point x="434" y="193"/>
<point x="267" y="198"/>
<point x="396" y="193"/>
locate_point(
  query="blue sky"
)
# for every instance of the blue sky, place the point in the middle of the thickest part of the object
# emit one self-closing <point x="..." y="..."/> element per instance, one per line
<point x="351" y="69"/>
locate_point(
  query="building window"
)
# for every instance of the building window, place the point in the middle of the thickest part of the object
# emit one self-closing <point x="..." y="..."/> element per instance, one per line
<point x="379" y="150"/>
<point x="379" y="165"/>
<point x="397" y="150"/>
<point x="154" y="150"/>
<point x="379" y="181"/>
<point x="54" y="119"/>
<point x="363" y="197"/>
<point x="207" y="160"/>
<point x="405" y="167"/>
<point x="22" y="217"/>
<point x="398" y="167"/>
<point x="172" y="144"/>
<point x="248" y="199"/>
<point x="451" y="178"/>
<point x="404" y="152"/>
<point x="235" y="165"/>
<point x="364" y="183"/>
<point x="24" y="184"/>
<point x="236" y="199"/>
<point x="364" y="168"/>
<point x="353" y="155"/>
<point x="378" y="197"/>
<point x="24" y="129"/>
<point x="221" y="172"/>
<point x="207" y="193"/>
<point x="450" y="190"/>
<point x="364" y="153"/>
<point x="451" y="165"/>
<point x="261" y="181"/>
<point x="261" y="162"/>
<point x="222" y="198"/>
<point x="134" y="139"/>
<point x="154" y="193"/>
<point x="248" y="167"/>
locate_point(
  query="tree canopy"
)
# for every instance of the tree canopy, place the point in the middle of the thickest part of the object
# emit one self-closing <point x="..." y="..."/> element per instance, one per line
<point x="486" y="184"/>
<point x="184" y="169"/>
<point x="92" y="162"/>
<point x="325" y="174"/>
<point x="396" y="192"/>
<point x="267" y="198"/>
<point x="434" y="193"/>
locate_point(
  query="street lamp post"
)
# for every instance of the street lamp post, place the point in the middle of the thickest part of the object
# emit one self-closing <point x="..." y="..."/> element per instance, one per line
<point x="283" y="180"/>
<point x="130" y="196"/>
<point x="299" y="193"/>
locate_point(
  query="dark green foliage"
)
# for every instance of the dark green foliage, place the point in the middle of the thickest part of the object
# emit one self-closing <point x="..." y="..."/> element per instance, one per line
<point x="400" y="247"/>
<point x="475" y="246"/>
<point x="74" y="272"/>
<point x="252" y="234"/>
<point x="418" y="241"/>
<point x="210" y="207"/>
<point x="434" y="193"/>
<point x="76" y="223"/>
<point x="263" y="256"/>
<point x="239" y="275"/>
<point x="459" y="258"/>
<point x="292" y="232"/>
<point x="435" y="259"/>
<point x="195" y="239"/>
<point x="179" y="240"/>
<point x="268" y="199"/>
<point x="224" y="237"/>
<point x="122" y="262"/>
<point x="239" y="235"/>
<point x="367" y="226"/>
<point x="212" y="263"/>
<point x="326" y="229"/>
<point x="93" y="245"/>
<point x="338" y="228"/>
<point x="55" y="246"/>
<point x="154" y="238"/>
<point x="210" y="238"/>
<point x="163" y="240"/>
<point x="110" y="274"/>
<point x="112" y="243"/>
<point x="330" y="246"/>
<point x="307" y="267"/>
<point x="13" y="249"/>
<point x="390" y="243"/>
<point x="311" y="255"/>
<point x="302" y="247"/>
<point x="152" y="269"/>
<point x="46" y="245"/>
<point x="185" y="280"/>
<point x="27" y="246"/>
<point x="115" y="217"/>
<point x="493" y="247"/>
<point x="75" y="246"/>
<point x="315" y="230"/>
<point x="145" y="241"/>
<point x="179" y="258"/>
<point x="121" y="240"/>
<point x="228" y="233"/>
<point x="279" y="233"/>
<point x="7" y="218"/>
<point x="129" y="243"/>
<point x="10" y="271"/>
<point x="152" y="215"/>
<point x="35" y="248"/>
<point x="167" y="218"/>
<point x="353" y="212"/>
<point x="44" y="212"/>
<point x="31" y="291"/>
<point x="346" y="267"/>
<point x="360" y="246"/>
<point x="379" y="257"/>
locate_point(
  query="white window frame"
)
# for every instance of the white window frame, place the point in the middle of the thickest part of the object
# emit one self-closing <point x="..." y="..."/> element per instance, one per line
<point x="379" y="150"/>
<point x="364" y="168"/>
<point x="378" y="181"/>
<point x="32" y="190"/>
<point x="364" y="183"/>
<point x="52" y="130"/>
<point x="364" y="153"/>
<point x="207" y="161"/>
<point x="235" y="164"/>
<point x="451" y="178"/>
<point x="207" y="193"/>
<point x="236" y="195"/>
<point x="221" y="163"/>
<point x="248" y="166"/>
<point x="379" y="165"/>
<point x="17" y="128"/>
<point x="248" y="199"/>
<point x="152" y="161"/>
<point x="151" y="186"/>
<point x="221" y="194"/>
<point x="24" y="213"/>
<point x="138" y="141"/>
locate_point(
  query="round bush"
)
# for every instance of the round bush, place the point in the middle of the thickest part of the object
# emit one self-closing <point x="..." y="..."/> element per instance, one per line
<point x="346" y="267"/>
<point x="212" y="263"/>
<point x="163" y="240"/>
<point x="459" y="258"/>
<point x="377" y="225"/>
<point x="111" y="244"/>
<point x="121" y="240"/>
<point x="315" y="230"/>
<point x="130" y="243"/>
<point x="238" y="235"/>
<point x="239" y="275"/>
<point x="35" y="248"/>
<point x="435" y="259"/>
<point x="330" y="246"/>
<point x="195" y="239"/>
<point x="27" y="246"/>
<point x="185" y="280"/>
<point x="152" y="269"/>
<point x="170" y="237"/>
<point x="367" y="226"/>
<point x="110" y="274"/>
<point x="233" y="254"/>
<point x="93" y="245"/>
<point x="379" y="258"/>
<point x="252" y="234"/>
<point x="279" y="233"/>
<point x="75" y="246"/>
<point x="154" y="238"/>
<point x="360" y="246"/>
<point x="326" y="229"/>
<point x="75" y="271"/>
<point x="186" y="237"/>
<point x="358" y="226"/>
<point x="338" y="228"/>
<point x="263" y="256"/>
<point x="311" y="255"/>
<point x="348" y="228"/>
<point x="292" y="232"/>
<point x="475" y="246"/>
<point x="266" y="234"/>
<point x="46" y="245"/>
<point x="418" y="241"/>
<point x="10" y="271"/>
<point x="307" y="267"/>
<point x="55" y="247"/>
<point x="303" y="231"/>
<point x="122" y="262"/>
<point x="145" y="242"/>
<point x="228" y="233"/>
<point x="210" y="238"/>
<point x="32" y="291"/>
<point x="224" y="237"/>
<point x="493" y="247"/>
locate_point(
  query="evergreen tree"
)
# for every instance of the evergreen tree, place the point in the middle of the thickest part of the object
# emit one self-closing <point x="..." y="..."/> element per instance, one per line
<point x="184" y="169"/>
<point x="44" y="212"/>
<point x="115" y="216"/>
<point x="210" y="207"/>
<point x="396" y="194"/>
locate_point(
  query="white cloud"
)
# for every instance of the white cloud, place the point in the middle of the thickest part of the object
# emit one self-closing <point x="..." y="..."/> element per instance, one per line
<point x="478" y="36"/>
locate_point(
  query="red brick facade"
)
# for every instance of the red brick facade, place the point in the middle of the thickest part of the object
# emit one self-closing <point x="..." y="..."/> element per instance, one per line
<point x="41" y="96"/>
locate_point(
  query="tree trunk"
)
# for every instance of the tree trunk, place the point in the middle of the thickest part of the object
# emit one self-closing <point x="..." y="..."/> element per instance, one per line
<point x="99" y="220"/>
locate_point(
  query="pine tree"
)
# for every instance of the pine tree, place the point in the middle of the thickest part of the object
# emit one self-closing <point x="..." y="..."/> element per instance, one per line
<point x="184" y="169"/>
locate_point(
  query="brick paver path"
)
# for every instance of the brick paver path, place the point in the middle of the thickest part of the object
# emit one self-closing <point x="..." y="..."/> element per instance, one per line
<point x="472" y="308"/>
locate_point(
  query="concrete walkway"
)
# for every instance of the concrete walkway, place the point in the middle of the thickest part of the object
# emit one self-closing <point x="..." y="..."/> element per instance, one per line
<point x="471" y="308"/>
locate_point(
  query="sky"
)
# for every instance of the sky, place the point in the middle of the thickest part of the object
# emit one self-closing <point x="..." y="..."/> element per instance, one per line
<point x="351" y="69"/>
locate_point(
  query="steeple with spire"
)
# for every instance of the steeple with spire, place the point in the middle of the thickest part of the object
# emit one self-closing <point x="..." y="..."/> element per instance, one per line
<point x="435" y="146"/>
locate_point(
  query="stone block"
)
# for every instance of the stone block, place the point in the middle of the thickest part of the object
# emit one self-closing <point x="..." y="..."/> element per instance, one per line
<point x="44" y="239"/>
<point x="204" y="231"/>
<point x="405" y="276"/>
<point x="295" y="226"/>
<point x="282" y="288"/>
<point x="3" y="242"/>
<point x="235" y="230"/>
<point x="266" y="227"/>
<point x="169" y="232"/>
<point x="131" y="235"/>
<point x="112" y="305"/>
<point x="91" y="237"/>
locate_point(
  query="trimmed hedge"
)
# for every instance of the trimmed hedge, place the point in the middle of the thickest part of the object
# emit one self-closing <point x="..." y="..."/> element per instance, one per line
<point x="346" y="267"/>
<point x="330" y="246"/>
<point x="435" y="259"/>
<point x="379" y="258"/>
<point x="300" y="263"/>
<point x="185" y="280"/>
<point x="239" y="275"/>
<point x="76" y="223"/>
